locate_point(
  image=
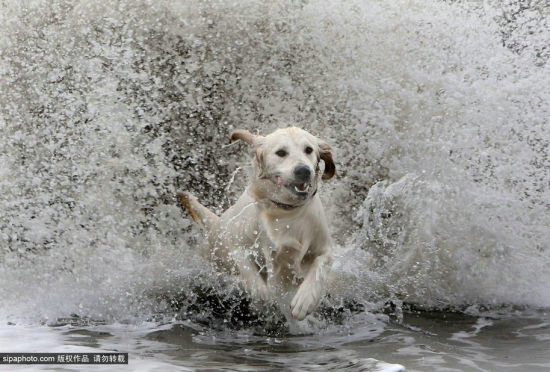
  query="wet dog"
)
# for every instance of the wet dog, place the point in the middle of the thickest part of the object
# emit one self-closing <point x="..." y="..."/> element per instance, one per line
<point x="276" y="236"/>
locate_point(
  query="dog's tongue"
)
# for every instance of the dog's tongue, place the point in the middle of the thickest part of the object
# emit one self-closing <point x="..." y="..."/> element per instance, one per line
<point x="280" y="181"/>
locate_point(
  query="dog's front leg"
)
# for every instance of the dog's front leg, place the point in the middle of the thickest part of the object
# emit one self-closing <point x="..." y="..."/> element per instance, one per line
<point x="253" y="280"/>
<point x="288" y="256"/>
<point x="310" y="292"/>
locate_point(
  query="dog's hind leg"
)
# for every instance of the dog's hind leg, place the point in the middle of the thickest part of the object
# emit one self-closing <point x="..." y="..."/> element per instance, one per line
<point x="198" y="212"/>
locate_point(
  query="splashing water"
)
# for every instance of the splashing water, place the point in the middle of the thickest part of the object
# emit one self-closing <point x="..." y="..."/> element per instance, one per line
<point x="438" y="113"/>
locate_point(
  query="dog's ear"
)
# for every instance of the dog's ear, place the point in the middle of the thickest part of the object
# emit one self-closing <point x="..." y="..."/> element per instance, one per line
<point x="245" y="136"/>
<point x="255" y="141"/>
<point x="325" y="153"/>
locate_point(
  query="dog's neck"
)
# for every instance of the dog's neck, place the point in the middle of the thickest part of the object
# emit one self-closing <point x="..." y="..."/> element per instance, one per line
<point x="284" y="206"/>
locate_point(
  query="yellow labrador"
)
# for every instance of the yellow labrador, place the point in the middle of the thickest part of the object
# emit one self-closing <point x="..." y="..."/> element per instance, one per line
<point x="276" y="236"/>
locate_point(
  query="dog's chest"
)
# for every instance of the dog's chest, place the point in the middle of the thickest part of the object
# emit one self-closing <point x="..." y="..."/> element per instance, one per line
<point x="284" y="239"/>
<point x="280" y="229"/>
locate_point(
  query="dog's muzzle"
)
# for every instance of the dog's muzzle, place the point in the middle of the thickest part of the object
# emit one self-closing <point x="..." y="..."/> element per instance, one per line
<point x="302" y="181"/>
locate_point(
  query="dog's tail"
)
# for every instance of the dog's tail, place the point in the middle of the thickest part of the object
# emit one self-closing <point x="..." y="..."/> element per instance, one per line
<point x="198" y="212"/>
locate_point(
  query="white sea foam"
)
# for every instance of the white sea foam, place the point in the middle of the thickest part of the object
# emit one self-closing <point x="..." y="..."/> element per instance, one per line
<point x="109" y="108"/>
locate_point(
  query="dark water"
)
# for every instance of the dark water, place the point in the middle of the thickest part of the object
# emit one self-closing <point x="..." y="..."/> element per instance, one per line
<point x="424" y="341"/>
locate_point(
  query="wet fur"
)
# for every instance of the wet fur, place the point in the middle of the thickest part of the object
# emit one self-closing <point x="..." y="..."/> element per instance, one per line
<point x="276" y="241"/>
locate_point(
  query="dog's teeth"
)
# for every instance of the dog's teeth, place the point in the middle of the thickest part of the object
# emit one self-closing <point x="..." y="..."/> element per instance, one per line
<point x="301" y="188"/>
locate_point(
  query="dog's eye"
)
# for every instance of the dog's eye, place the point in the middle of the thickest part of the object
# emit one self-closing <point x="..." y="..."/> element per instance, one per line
<point x="281" y="153"/>
<point x="308" y="150"/>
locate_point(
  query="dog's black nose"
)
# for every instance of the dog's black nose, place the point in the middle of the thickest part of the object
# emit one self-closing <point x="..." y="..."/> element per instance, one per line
<point x="302" y="173"/>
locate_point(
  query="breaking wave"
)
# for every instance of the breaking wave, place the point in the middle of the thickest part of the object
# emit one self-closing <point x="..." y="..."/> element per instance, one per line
<point x="438" y="112"/>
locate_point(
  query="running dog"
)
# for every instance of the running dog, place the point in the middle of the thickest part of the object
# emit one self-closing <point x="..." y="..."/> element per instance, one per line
<point x="276" y="236"/>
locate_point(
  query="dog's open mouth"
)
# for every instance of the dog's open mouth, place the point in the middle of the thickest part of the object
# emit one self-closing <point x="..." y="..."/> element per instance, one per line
<point x="300" y="188"/>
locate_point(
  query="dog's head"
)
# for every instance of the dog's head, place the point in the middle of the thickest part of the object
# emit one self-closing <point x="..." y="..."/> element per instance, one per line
<point x="286" y="165"/>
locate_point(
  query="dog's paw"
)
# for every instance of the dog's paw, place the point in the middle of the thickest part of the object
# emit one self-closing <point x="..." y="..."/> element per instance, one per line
<point x="260" y="292"/>
<point x="186" y="199"/>
<point x="306" y="299"/>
